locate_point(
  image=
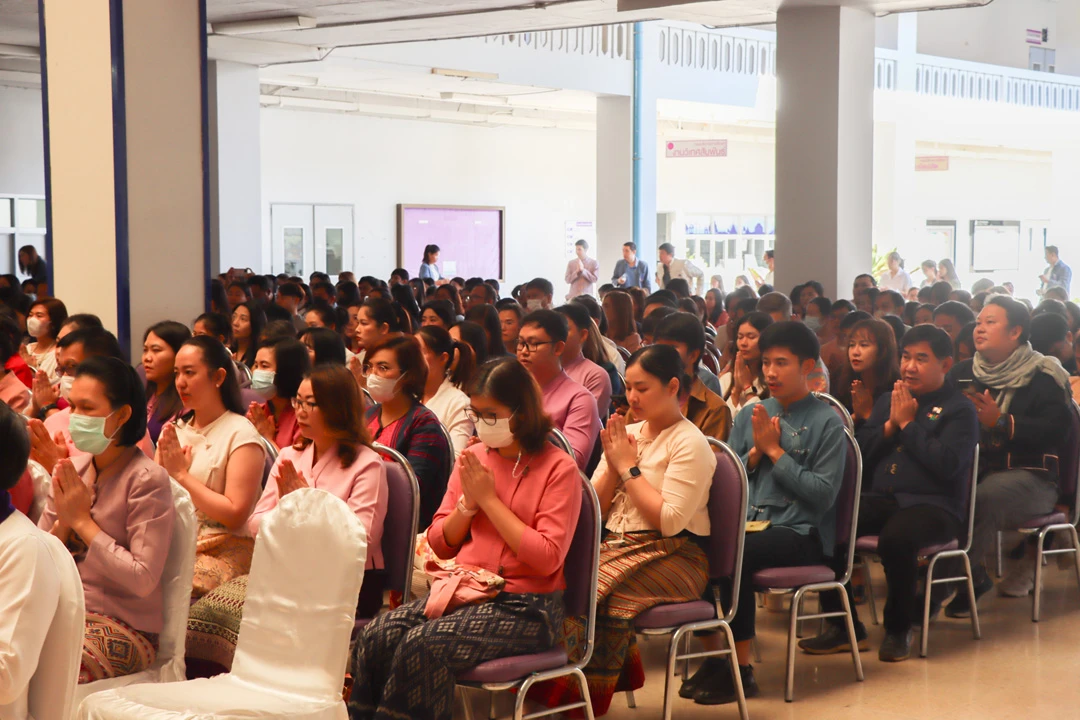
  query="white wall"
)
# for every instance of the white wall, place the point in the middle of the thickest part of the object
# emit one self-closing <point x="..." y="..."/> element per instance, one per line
<point x="994" y="33"/>
<point x="22" y="155"/>
<point x="741" y="184"/>
<point x="544" y="178"/>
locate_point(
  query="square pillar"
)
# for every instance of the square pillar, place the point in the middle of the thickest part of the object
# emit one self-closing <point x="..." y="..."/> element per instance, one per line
<point x="824" y="146"/>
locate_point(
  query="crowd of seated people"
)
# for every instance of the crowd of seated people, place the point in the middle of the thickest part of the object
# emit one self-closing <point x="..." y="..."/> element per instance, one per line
<point x="285" y="385"/>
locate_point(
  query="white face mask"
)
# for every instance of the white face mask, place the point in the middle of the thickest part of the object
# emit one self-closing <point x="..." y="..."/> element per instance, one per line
<point x="65" y="386"/>
<point x="812" y="322"/>
<point x="36" y="327"/>
<point x="381" y="389"/>
<point x="262" y="382"/>
<point x="495" y="436"/>
<point x="534" y="305"/>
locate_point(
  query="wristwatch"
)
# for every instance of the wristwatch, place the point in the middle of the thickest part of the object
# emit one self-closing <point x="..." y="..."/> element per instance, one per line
<point x="44" y="412"/>
<point x="632" y="473"/>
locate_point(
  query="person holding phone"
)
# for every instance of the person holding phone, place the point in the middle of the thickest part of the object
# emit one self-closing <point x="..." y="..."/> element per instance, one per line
<point x="1021" y="398"/>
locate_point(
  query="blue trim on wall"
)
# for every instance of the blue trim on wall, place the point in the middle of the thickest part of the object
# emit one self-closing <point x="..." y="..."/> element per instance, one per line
<point x="208" y="272"/>
<point x="45" y="140"/>
<point x="120" y="177"/>
<point x="636" y="113"/>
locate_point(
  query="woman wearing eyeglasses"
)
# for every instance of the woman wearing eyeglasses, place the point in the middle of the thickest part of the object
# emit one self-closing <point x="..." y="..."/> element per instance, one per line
<point x="511" y="508"/>
<point x="396" y="375"/>
<point x="334" y="454"/>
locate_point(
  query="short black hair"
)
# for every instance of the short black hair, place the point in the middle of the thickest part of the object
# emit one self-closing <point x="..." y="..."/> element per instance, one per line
<point x="632" y="246"/>
<point x="550" y="322"/>
<point x="939" y="341"/>
<point x="679" y="286"/>
<point x="793" y="336"/>
<point x="663" y="297"/>
<point x="662" y="362"/>
<point x="260" y="281"/>
<point x="291" y="290"/>
<point x="95" y="341"/>
<point x="325" y="286"/>
<point x="682" y="327"/>
<point x="897" y="324"/>
<point x="400" y="273"/>
<point x="775" y="302"/>
<point x="843" y="305"/>
<point x="329" y="346"/>
<point x="824" y="305"/>
<point x="123" y="386"/>
<point x="895" y="298"/>
<point x="1047" y="330"/>
<point x="1052" y="249"/>
<point x="81" y="321"/>
<point x="853" y="318"/>
<point x="770" y="254"/>
<point x="292" y="364"/>
<point x="443" y="308"/>
<point x="16" y="443"/>
<point x="512" y="305"/>
<point x="219" y="325"/>
<point x="1016" y="315"/>
<point x="582" y="243"/>
<point x="542" y="284"/>
<point x="873" y="280"/>
<point x="1050" y="305"/>
<point x="326" y="313"/>
<point x="818" y="287"/>
<point x="954" y="309"/>
<point x="668" y="248"/>
<point x="577" y="313"/>
<point x="940" y="291"/>
<point x="318" y="276"/>
<point x="653" y="320"/>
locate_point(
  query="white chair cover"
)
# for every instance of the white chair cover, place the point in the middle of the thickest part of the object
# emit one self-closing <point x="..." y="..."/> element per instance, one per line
<point x="42" y="488"/>
<point x="52" y="689"/>
<point x="176" y="579"/>
<point x="294" y="638"/>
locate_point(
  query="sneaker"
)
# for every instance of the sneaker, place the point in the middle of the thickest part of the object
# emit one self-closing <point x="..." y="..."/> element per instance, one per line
<point x="722" y="691"/>
<point x="834" y="640"/>
<point x="705" y="675"/>
<point x="897" y="647"/>
<point x="1020" y="581"/>
<point x="960" y="607"/>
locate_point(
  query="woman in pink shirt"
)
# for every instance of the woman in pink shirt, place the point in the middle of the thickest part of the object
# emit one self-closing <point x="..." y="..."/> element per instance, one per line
<point x="510" y="508"/>
<point x="280" y="366"/>
<point x="114" y="510"/>
<point x="334" y="454"/>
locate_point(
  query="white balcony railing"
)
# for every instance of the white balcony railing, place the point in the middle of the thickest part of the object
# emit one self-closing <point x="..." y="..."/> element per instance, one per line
<point x="751" y="52"/>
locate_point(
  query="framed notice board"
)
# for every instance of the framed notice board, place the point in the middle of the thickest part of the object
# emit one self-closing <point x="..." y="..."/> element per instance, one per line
<point x="472" y="239"/>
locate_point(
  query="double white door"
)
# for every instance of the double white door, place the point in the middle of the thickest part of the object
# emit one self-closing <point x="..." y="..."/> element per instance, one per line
<point x="311" y="238"/>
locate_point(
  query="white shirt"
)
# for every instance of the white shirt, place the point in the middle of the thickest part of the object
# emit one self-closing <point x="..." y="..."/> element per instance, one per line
<point x="901" y="281"/>
<point x="29" y="595"/>
<point x="613" y="355"/>
<point x="44" y="361"/>
<point x="449" y="404"/>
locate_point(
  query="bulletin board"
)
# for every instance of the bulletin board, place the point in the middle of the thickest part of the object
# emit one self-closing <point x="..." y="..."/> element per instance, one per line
<point x="995" y="245"/>
<point x="471" y="239"/>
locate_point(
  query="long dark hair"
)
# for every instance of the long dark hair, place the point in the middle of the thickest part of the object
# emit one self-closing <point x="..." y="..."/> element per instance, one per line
<point x="487" y="317"/>
<point x="174" y="335"/>
<point x="429" y="250"/>
<point x="216" y="357"/>
<point x="718" y="306"/>
<point x="342" y="406"/>
<point x="759" y="321"/>
<point x="886" y="368"/>
<point x="258" y="322"/>
<point x="664" y="363"/>
<point x="462" y="361"/>
<point x="122" y="387"/>
<point x="506" y="381"/>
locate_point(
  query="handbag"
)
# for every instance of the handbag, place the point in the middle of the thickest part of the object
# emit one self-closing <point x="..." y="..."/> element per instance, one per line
<point x="457" y="586"/>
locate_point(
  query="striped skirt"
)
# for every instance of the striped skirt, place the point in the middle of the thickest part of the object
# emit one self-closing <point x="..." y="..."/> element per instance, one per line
<point x="112" y="648"/>
<point x="638" y="571"/>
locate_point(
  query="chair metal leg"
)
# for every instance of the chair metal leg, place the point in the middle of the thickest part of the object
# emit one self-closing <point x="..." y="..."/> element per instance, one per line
<point x="630" y="701"/>
<point x="1036" y="605"/>
<point x="850" y="622"/>
<point x="869" y="592"/>
<point x="976" y="628"/>
<point x="491" y="706"/>
<point x="466" y="703"/>
<point x="1076" y="553"/>
<point x="736" y="676"/>
<point x="686" y="662"/>
<point x="789" y="682"/>
<point x="1000" y="562"/>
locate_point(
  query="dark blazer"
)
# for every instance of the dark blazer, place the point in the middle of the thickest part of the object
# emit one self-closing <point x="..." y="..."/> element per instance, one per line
<point x="1034" y="432"/>
<point x="929" y="461"/>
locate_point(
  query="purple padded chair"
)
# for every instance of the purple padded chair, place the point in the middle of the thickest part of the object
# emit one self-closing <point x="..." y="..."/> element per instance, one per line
<point x="868" y="546"/>
<point x="1058" y="522"/>
<point x="559" y="440"/>
<point x="727" y="517"/>
<point x="399" y="527"/>
<point x="838" y="408"/>
<point x="522" y="671"/>
<point x="802" y="579"/>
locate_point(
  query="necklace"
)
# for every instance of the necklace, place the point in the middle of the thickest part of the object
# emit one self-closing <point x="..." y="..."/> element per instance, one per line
<point x="525" y="471"/>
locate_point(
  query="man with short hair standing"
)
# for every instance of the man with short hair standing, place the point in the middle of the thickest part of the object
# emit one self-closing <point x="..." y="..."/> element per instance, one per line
<point x="1058" y="274"/>
<point x="672" y="267"/>
<point x="582" y="272"/>
<point x="631" y="271"/>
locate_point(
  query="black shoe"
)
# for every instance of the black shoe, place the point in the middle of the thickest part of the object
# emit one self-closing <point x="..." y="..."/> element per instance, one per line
<point x="960" y="607"/>
<point x="897" y="647"/>
<point x="834" y="640"/>
<point x="705" y="675"/>
<point x="722" y="690"/>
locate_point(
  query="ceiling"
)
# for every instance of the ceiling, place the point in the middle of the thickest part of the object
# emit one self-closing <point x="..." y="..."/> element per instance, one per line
<point x="344" y="23"/>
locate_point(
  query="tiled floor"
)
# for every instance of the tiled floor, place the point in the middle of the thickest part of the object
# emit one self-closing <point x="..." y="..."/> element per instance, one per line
<point x="1019" y="670"/>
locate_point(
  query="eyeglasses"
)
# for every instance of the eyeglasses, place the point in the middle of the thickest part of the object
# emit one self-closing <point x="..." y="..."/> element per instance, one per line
<point x="487" y="418"/>
<point x="532" y="346"/>
<point x="304" y="405"/>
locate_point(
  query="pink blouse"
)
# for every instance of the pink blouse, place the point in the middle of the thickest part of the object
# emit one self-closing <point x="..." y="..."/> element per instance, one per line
<point x="362" y="486"/>
<point x="547" y="498"/>
<point x="13" y="393"/>
<point x="121" y="570"/>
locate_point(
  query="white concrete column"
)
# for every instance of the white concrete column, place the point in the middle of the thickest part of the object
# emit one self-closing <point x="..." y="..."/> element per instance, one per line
<point x="123" y="86"/>
<point x="235" y="168"/>
<point x="1064" y="210"/>
<point x="824" y="146"/>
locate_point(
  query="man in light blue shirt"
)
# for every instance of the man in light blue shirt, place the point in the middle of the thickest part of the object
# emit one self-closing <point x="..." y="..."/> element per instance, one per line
<point x="631" y="271"/>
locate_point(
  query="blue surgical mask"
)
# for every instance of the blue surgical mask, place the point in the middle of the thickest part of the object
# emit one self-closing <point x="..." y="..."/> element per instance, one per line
<point x="88" y="433"/>
<point x="262" y="382"/>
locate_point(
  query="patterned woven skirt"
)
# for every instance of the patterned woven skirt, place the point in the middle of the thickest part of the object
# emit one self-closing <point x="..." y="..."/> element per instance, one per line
<point x="638" y="571"/>
<point x="112" y="648"/>
<point x="220" y="558"/>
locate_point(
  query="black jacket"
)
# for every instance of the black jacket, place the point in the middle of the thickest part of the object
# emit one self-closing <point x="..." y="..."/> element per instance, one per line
<point x="929" y="461"/>
<point x="1034" y="432"/>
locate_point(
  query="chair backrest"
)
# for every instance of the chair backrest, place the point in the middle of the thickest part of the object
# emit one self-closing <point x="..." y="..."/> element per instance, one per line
<point x="838" y="408"/>
<point x="582" y="567"/>
<point x="451" y="456"/>
<point x="42" y="489"/>
<point x="301" y="599"/>
<point x="624" y="352"/>
<point x="973" y="484"/>
<point x="52" y="688"/>
<point x="727" y="518"/>
<point x="559" y="440"/>
<point x="846" y="509"/>
<point x="368" y="401"/>
<point x="243" y="375"/>
<point x="1069" y="464"/>
<point x="176" y="581"/>
<point x="402" y="517"/>
<point x="710" y="361"/>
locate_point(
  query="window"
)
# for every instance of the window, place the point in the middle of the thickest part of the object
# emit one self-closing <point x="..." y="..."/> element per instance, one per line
<point x="335" y="250"/>
<point x="22" y="222"/>
<point x="294" y="251"/>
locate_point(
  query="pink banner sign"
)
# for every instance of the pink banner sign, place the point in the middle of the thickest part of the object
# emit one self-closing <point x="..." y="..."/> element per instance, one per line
<point x="695" y="148"/>
<point x="932" y="163"/>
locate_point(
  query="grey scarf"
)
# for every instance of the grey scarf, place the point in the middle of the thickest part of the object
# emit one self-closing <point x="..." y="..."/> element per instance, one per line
<point x="1016" y="372"/>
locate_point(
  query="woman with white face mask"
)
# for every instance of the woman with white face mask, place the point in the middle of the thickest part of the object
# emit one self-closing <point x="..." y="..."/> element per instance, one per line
<point x="396" y="376"/>
<point x="43" y="323"/>
<point x="113" y="508"/>
<point x="510" y="508"/>
<point x="280" y="366"/>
